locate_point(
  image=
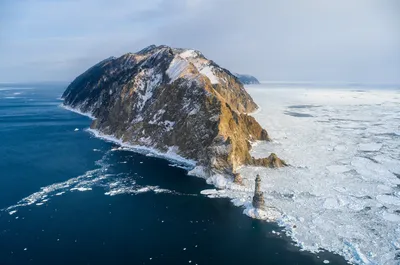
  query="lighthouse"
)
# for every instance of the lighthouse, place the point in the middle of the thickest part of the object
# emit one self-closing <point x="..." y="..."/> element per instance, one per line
<point x="258" y="198"/>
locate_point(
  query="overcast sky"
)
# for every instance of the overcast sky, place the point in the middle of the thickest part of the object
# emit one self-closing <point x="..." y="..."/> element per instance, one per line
<point x="275" y="40"/>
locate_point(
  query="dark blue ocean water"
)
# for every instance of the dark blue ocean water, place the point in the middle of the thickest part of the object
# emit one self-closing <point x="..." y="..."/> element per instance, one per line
<point x="156" y="216"/>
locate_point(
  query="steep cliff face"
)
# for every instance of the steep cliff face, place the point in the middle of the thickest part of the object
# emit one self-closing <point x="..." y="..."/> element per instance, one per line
<point x="171" y="99"/>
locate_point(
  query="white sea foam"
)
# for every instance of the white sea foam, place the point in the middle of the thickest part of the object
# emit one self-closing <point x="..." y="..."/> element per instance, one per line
<point x="198" y="171"/>
<point x="136" y="189"/>
<point x="95" y="177"/>
<point x="87" y="114"/>
<point x="218" y="181"/>
<point x="265" y="214"/>
<point x="79" y="183"/>
<point x="170" y="155"/>
<point x="15" y="88"/>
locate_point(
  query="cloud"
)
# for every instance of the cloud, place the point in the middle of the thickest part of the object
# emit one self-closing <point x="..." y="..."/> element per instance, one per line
<point x="307" y="40"/>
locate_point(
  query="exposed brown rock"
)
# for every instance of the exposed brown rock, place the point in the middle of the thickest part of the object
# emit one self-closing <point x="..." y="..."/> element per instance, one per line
<point x="272" y="161"/>
<point x="237" y="178"/>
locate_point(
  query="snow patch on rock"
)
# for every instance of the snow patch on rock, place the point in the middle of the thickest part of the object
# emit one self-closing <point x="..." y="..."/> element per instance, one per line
<point x="209" y="72"/>
<point x="176" y="68"/>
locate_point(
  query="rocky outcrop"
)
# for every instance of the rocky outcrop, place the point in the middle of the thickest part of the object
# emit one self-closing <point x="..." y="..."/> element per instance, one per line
<point x="172" y="100"/>
<point x="258" y="198"/>
<point x="237" y="178"/>
<point x="272" y="161"/>
<point x="247" y="79"/>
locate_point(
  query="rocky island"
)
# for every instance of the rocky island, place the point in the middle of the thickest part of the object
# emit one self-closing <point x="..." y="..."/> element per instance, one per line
<point x="247" y="79"/>
<point x="173" y="100"/>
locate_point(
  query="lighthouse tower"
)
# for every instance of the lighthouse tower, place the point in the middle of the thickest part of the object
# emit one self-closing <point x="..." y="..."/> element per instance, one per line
<point x="258" y="198"/>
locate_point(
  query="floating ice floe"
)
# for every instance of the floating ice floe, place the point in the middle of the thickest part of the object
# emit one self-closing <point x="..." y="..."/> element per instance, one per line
<point x="388" y="200"/>
<point x="370" y="147"/>
<point x="81" y="189"/>
<point x="391" y="217"/>
<point x="338" y="168"/>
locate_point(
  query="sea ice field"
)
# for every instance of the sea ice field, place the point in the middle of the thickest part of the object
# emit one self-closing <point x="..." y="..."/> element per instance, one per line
<point x="341" y="191"/>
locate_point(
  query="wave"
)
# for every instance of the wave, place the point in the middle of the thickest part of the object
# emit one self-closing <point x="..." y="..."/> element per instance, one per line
<point x="170" y="155"/>
<point x="87" y="114"/>
<point x="15" y="88"/>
